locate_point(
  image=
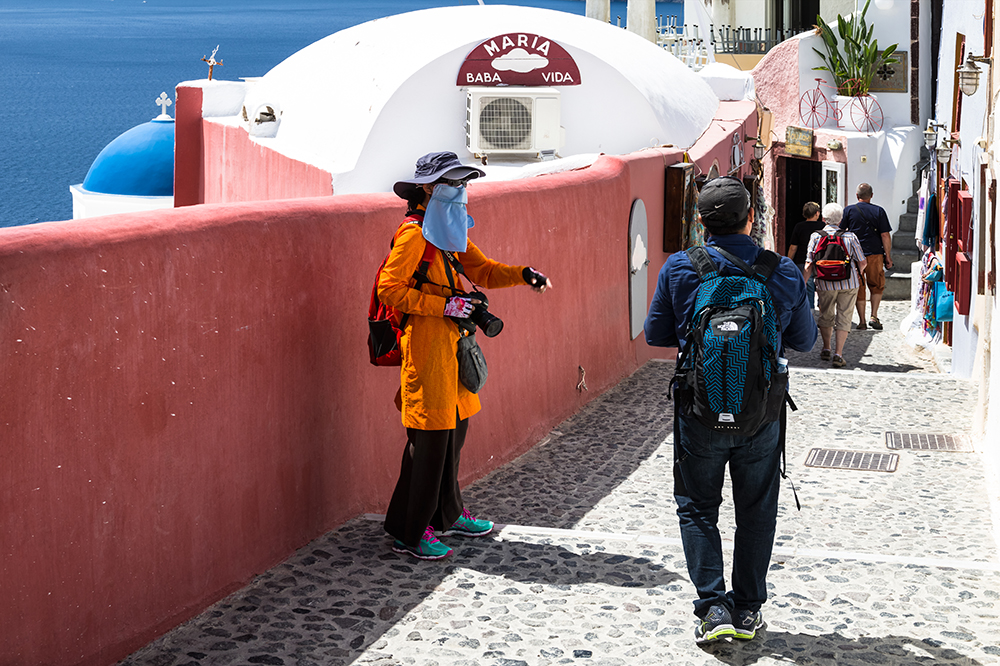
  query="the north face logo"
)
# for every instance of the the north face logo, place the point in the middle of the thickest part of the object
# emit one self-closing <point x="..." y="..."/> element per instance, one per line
<point x="728" y="327"/>
<point x="726" y="418"/>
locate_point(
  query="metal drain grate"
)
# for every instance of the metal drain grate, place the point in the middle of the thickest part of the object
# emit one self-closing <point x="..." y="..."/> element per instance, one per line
<point x="925" y="442"/>
<point x="863" y="460"/>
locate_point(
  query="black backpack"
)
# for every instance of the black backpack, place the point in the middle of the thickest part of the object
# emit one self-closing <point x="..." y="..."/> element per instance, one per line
<point x="728" y="372"/>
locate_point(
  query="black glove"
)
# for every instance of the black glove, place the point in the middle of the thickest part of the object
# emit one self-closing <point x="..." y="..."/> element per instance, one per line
<point x="533" y="277"/>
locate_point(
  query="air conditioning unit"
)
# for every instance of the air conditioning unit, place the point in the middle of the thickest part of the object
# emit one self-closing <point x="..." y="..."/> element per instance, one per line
<point x="513" y="121"/>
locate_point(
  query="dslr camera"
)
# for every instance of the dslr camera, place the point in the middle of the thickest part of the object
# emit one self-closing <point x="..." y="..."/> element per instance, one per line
<point x="488" y="323"/>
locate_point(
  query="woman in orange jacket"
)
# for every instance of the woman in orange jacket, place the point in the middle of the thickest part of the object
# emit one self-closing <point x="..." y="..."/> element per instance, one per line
<point x="435" y="405"/>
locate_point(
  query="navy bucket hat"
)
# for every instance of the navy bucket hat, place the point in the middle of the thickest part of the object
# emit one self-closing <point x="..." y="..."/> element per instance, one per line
<point x="432" y="167"/>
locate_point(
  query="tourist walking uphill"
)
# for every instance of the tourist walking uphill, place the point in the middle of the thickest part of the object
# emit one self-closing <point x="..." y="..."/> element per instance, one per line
<point x="708" y="302"/>
<point x="441" y="365"/>
<point x="836" y="259"/>
<point x="871" y="225"/>
<point x="800" y="242"/>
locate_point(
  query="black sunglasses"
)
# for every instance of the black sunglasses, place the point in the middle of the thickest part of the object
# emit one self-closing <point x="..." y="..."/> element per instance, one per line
<point x="456" y="183"/>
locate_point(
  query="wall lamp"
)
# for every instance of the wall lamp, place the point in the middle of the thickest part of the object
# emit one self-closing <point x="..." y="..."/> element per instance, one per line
<point x="930" y="134"/>
<point x="944" y="150"/>
<point x="968" y="73"/>
<point x="759" y="149"/>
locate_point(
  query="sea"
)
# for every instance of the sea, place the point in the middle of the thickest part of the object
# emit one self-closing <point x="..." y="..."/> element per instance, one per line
<point x="75" y="74"/>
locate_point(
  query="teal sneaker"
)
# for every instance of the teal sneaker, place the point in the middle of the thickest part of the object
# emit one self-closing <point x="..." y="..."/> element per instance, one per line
<point x="716" y="624"/>
<point x="468" y="526"/>
<point x="429" y="547"/>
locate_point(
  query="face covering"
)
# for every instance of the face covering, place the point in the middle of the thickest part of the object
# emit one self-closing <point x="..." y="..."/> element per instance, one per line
<point x="446" y="222"/>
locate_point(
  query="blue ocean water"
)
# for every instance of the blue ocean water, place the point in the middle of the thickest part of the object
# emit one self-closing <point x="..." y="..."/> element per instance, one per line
<point x="74" y="74"/>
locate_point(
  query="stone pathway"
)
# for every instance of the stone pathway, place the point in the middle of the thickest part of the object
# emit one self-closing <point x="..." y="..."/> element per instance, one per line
<point x="877" y="568"/>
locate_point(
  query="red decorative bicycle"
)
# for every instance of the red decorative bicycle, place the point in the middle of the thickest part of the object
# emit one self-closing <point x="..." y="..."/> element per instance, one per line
<point x="814" y="107"/>
<point x="864" y="111"/>
<point x="866" y="114"/>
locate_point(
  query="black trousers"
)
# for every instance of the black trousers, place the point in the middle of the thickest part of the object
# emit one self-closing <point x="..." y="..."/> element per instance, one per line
<point x="427" y="491"/>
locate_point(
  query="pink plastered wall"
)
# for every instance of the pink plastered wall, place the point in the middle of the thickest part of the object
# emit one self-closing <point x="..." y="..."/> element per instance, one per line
<point x="187" y="397"/>
<point x="219" y="163"/>
<point x="187" y="394"/>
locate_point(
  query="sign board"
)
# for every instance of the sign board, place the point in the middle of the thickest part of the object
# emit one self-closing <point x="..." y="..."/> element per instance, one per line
<point x="519" y="59"/>
<point x="891" y="78"/>
<point x="799" y="141"/>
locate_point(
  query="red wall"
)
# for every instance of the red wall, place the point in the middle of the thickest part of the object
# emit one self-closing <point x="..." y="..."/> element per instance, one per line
<point x="187" y="397"/>
<point x="237" y="169"/>
<point x="218" y="163"/>
<point x="189" y="151"/>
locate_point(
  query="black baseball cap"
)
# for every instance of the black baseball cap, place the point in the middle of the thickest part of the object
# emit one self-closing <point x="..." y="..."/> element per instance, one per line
<point x="432" y="167"/>
<point x="724" y="204"/>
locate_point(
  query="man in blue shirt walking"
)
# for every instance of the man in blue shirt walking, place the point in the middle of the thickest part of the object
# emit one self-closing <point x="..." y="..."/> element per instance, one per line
<point x="701" y="454"/>
<point x="871" y="225"/>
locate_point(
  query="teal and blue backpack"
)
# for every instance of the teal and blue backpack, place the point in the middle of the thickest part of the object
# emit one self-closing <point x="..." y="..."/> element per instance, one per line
<point x="728" y="373"/>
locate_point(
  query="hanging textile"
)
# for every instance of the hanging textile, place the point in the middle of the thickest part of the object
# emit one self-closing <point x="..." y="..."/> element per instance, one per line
<point x="694" y="233"/>
<point x="922" y="198"/>
<point x="931" y="274"/>
<point x="931" y="234"/>
<point x="762" y="231"/>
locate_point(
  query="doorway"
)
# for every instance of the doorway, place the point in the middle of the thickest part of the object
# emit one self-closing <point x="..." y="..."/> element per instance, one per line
<point x="803" y="183"/>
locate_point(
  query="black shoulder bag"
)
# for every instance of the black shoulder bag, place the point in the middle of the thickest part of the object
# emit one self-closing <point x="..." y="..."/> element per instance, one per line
<point x="472" y="370"/>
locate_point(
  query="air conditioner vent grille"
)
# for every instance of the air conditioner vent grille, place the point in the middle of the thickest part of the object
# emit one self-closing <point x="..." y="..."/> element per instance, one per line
<point x="505" y="123"/>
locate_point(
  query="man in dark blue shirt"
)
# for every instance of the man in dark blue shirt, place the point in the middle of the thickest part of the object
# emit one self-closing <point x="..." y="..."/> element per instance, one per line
<point x="871" y="225"/>
<point x="701" y="454"/>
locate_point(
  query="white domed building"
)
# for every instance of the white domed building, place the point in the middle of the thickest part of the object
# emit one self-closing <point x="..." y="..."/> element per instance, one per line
<point x="522" y="90"/>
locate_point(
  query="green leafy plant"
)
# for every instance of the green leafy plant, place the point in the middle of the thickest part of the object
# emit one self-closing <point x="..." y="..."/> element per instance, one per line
<point x="854" y="67"/>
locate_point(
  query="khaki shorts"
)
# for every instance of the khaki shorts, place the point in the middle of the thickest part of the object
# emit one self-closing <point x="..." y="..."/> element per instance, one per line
<point x="874" y="276"/>
<point x="842" y="301"/>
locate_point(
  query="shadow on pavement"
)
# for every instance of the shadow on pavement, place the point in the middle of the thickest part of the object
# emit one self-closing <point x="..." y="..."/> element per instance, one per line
<point x="558" y="482"/>
<point x="335" y="599"/>
<point x="836" y="649"/>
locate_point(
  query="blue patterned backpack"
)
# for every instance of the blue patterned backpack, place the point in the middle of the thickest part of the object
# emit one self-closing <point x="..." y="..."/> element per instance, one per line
<point x="728" y="373"/>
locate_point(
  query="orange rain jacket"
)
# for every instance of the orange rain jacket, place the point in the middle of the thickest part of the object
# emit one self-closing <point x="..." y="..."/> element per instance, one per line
<point x="430" y="390"/>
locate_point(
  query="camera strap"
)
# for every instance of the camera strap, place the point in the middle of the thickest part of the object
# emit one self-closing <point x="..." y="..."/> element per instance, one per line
<point x="452" y="261"/>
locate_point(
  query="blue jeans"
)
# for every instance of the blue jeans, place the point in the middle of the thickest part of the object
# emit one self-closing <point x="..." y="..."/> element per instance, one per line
<point x="700" y="458"/>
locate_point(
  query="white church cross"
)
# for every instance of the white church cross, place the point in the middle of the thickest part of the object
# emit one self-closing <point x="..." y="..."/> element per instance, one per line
<point x="163" y="102"/>
<point x="212" y="62"/>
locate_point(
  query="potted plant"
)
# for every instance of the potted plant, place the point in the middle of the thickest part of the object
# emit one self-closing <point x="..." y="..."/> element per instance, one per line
<point x="853" y="67"/>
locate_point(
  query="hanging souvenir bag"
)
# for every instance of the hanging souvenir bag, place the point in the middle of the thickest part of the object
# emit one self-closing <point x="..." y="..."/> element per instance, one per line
<point x="944" y="302"/>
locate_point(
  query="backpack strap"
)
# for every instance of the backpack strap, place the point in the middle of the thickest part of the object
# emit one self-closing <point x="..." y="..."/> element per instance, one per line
<point x="762" y="269"/>
<point x="702" y="262"/>
<point x="420" y="275"/>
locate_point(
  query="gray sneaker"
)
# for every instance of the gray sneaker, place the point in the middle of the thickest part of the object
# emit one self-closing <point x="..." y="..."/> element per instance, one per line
<point x="746" y="624"/>
<point x="716" y="624"/>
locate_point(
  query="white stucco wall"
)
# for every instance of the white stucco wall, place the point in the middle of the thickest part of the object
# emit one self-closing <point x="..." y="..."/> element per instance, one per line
<point x="830" y="9"/>
<point x="364" y="103"/>
<point x="964" y="18"/>
<point x="95" y="204"/>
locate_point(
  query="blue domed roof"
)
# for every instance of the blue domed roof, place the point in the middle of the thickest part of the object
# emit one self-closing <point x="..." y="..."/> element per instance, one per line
<point x="139" y="163"/>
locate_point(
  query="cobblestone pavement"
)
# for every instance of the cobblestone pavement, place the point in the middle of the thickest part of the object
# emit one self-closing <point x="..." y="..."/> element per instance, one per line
<point x="893" y="568"/>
